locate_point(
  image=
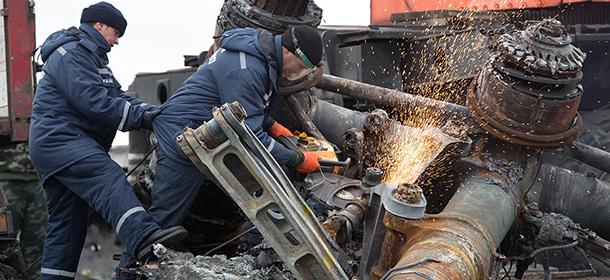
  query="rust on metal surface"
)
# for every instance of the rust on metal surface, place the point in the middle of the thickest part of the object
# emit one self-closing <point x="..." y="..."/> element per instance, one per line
<point x="20" y="28"/>
<point x="409" y="193"/>
<point x="529" y="91"/>
<point x="339" y="227"/>
<point x="542" y="47"/>
<point x="456" y="129"/>
<point x="506" y="133"/>
<point x="462" y="247"/>
<point x="461" y="239"/>
<point x="389" y="97"/>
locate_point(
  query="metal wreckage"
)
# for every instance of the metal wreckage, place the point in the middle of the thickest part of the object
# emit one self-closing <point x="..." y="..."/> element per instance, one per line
<point x="456" y="144"/>
<point x="452" y="149"/>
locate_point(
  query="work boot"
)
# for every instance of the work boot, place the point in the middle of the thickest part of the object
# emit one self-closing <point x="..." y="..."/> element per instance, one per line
<point x="166" y="237"/>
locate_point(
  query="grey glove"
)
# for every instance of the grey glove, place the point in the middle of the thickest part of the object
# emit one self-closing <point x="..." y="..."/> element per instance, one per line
<point x="147" y="119"/>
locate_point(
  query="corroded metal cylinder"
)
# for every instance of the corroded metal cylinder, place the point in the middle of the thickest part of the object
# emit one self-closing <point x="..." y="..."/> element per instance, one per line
<point x="521" y="114"/>
<point x="460" y="241"/>
<point x="529" y="91"/>
<point x="340" y="226"/>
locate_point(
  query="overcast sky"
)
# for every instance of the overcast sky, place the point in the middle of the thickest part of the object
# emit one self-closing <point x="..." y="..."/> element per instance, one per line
<point x="160" y="32"/>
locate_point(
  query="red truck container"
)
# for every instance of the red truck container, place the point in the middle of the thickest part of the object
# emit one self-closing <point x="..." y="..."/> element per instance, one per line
<point x="17" y="79"/>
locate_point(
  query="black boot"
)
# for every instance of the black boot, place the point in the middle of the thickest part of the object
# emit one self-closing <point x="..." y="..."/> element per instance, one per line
<point x="166" y="237"/>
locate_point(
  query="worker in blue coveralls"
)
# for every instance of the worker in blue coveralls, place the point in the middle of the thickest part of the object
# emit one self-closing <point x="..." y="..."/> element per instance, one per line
<point x="76" y="112"/>
<point x="246" y="69"/>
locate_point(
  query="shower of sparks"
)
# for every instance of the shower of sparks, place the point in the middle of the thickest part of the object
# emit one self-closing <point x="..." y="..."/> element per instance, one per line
<point x="438" y="67"/>
<point x="421" y="154"/>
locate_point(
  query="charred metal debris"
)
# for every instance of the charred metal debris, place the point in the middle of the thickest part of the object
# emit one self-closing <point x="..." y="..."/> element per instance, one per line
<point x="465" y="194"/>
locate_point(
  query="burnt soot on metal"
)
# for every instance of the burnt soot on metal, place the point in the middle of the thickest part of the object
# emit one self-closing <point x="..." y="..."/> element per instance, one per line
<point x="529" y="91"/>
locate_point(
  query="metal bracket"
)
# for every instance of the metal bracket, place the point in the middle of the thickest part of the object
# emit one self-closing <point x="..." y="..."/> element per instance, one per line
<point x="226" y="150"/>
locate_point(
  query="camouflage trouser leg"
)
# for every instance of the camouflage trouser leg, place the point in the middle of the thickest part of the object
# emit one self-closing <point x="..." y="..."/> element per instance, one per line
<point x="27" y="204"/>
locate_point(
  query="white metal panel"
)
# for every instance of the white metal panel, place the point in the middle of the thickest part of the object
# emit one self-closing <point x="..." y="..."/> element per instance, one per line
<point x="3" y="74"/>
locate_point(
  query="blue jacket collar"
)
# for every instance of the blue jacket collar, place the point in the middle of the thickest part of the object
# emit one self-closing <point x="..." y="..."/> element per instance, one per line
<point x="99" y="46"/>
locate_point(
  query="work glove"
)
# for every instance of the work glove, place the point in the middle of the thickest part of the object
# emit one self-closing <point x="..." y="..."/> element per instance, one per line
<point x="147" y="119"/>
<point x="276" y="129"/>
<point x="310" y="162"/>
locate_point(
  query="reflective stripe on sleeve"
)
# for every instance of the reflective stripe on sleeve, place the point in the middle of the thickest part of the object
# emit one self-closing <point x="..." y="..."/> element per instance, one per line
<point x="57" y="272"/>
<point x="271" y="146"/>
<point x="104" y="71"/>
<point x="242" y="60"/>
<point x="125" y="113"/>
<point x="125" y="216"/>
<point x="61" y="50"/>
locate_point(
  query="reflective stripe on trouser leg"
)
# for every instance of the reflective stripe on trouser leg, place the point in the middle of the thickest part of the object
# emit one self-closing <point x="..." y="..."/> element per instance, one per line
<point x="126" y="215"/>
<point x="101" y="182"/>
<point x="56" y="272"/>
<point x="66" y="231"/>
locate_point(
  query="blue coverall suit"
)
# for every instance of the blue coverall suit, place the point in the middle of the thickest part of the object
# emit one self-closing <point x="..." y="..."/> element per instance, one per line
<point x="75" y="114"/>
<point x="246" y="69"/>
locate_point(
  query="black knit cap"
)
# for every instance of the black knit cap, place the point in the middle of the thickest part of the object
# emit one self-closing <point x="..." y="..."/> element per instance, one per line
<point x="308" y="40"/>
<point x="104" y="12"/>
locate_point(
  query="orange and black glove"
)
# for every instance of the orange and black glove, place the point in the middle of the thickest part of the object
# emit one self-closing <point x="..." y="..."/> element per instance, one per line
<point x="304" y="162"/>
<point x="310" y="162"/>
<point x="276" y="129"/>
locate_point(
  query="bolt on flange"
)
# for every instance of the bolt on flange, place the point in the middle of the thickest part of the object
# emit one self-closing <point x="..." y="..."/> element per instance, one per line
<point x="409" y="193"/>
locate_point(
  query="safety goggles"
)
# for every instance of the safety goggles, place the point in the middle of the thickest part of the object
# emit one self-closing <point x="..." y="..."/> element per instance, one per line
<point x="300" y="54"/>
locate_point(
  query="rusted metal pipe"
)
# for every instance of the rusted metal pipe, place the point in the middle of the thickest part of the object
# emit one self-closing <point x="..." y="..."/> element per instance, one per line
<point x="461" y="238"/>
<point x="389" y="97"/>
<point x="332" y="120"/>
<point x="590" y="155"/>
<point x="340" y="226"/>
<point x="302" y="117"/>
